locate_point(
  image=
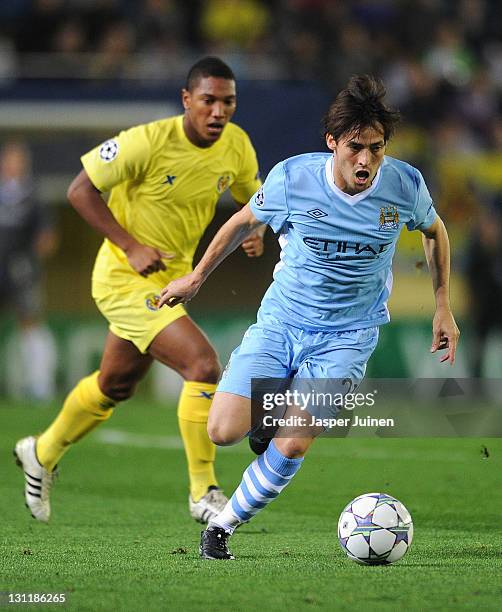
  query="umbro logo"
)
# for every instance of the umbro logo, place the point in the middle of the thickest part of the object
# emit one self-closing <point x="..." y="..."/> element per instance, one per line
<point x="317" y="213"/>
<point x="169" y="179"/>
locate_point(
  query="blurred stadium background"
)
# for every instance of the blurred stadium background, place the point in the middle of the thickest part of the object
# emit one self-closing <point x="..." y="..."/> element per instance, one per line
<point x="74" y="72"/>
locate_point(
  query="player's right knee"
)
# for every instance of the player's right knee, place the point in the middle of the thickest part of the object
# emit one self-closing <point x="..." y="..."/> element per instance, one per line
<point x="221" y="434"/>
<point x="205" y="368"/>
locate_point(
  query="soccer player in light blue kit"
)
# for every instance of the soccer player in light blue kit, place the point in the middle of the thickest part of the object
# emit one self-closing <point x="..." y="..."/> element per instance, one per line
<point x="339" y="217"/>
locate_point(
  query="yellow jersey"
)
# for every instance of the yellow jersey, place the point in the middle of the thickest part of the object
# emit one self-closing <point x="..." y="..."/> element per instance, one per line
<point x="164" y="190"/>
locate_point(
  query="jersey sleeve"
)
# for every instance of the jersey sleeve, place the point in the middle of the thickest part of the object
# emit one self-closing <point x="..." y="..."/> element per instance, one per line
<point x="119" y="159"/>
<point x="424" y="213"/>
<point x="247" y="181"/>
<point x="269" y="203"/>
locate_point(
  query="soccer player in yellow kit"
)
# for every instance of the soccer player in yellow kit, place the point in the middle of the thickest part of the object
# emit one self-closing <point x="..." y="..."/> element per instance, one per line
<point x="164" y="180"/>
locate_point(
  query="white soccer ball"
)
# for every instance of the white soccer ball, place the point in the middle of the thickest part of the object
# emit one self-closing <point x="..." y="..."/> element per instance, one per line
<point x="375" y="529"/>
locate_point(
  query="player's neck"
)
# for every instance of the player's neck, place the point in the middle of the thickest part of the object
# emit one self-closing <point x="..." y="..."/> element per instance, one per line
<point x="193" y="136"/>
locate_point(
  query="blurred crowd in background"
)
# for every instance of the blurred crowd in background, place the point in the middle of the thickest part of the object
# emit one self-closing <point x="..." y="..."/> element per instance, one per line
<point x="438" y="57"/>
<point x="441" y="61"/>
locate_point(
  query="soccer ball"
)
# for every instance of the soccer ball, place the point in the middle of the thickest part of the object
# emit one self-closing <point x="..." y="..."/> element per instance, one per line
<point x="375" y="529"/>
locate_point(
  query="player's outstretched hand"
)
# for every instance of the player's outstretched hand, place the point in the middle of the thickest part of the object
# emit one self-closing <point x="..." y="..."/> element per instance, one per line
<point x="146" y="259"/>
<point x="253" y="245"/>
<point x="180" y="291"/>
<point x="445" y="334"/>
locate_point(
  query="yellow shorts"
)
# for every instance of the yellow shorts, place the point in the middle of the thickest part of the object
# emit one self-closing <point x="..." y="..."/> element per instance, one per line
<point x="132" y="312"/>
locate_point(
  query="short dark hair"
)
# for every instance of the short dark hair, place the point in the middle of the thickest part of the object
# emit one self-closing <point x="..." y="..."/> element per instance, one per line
<point x="360" y="105"/>
<point x="208" y="67"/>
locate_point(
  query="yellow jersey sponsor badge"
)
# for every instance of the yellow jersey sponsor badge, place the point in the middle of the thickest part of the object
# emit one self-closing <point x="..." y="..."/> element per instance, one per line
<point x="152" y="301"/>
<point x="223" y="183"/>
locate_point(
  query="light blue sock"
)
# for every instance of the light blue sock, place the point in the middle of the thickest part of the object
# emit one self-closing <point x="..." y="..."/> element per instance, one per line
<point x="262" y="482"/>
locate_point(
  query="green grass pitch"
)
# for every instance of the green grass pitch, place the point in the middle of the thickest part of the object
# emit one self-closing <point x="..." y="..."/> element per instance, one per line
<point x="121" y="539"/>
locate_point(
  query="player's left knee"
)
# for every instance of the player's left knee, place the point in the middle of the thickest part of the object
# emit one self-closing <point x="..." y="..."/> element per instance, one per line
<point x="293" y="448"/>
<point x="117" y="388"/>
<point x="120" y="392"/>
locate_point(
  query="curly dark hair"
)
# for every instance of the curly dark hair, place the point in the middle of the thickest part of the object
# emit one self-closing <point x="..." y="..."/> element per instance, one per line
<point x="360" y="105"/>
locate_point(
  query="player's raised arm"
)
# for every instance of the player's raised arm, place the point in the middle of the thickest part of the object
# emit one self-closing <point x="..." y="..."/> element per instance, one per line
<point x="228" y="238"/>
<point x="88" y="202"/>
<point x="445" y="332"/>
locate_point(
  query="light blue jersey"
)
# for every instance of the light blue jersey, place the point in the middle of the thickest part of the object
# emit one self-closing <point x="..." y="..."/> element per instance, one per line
<point x="335" y="268"/>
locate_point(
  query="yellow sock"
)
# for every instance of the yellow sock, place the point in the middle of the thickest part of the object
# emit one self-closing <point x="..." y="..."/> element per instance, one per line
<point x="83" y="410"/>
<point x="193" y="409"/>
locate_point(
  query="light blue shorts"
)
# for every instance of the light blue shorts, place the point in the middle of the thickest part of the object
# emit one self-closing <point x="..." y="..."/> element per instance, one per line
<point x="272" y="349"/>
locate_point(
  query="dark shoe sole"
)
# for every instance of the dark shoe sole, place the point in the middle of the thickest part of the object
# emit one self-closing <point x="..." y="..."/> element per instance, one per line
<point x="208" y="558"/>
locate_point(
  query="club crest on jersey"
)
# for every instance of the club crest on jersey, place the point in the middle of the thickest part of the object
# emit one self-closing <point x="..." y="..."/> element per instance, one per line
<point x="223" y="183"/>
<point x="152" y="301"/>
<point x="389" y="217"/>
<point x="259" y="198"/>
<point x="109" y="150"/>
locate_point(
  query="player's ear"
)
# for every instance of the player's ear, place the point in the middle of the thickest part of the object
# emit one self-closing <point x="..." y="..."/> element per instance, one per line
<point x="331" y="142"/>
<point x="186" y="96"/>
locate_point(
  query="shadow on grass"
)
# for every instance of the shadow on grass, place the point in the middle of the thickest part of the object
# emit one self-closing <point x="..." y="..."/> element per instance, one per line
<point x="411" y="564"/>
<point x="241" y="532"/>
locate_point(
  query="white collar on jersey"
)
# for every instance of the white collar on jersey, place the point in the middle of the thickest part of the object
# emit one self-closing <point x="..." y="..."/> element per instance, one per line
<point x="350" y="199"/>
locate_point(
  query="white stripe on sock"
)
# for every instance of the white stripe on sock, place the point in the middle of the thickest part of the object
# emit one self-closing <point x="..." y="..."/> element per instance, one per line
<point x="242" y="501"/>
<point x="274" y="471"/>
<point x="252" y="489"/>
<point x="264" y="481"/>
